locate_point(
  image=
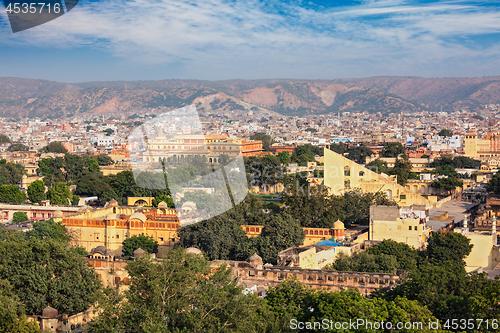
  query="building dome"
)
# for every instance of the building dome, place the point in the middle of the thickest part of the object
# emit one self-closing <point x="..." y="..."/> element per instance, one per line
<point x="100" y="249"/>
<point x="58" y="214"/>
<point x="189" y="204"/>
<point x="193" y="250"/>
<point x="138" y="216"/>
<point x="50" y="312"/>
<point x="338" y="225"/>
<point x="162" y="205"/>
<point x="111" y="216"/>
<point x="255" y="258"/>
<point x="113" y="203"/>
<point x="139" y="253"/>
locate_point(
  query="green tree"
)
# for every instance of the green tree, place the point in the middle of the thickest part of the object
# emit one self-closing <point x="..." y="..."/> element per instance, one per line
<point x="12" y="318"/>
<point x="264" y="170"/>
<point x="52" y="170"/>
<point x="60" y="194"/>
<point x="142" y="241"/>
<point x="445" y="132"/>
<point x="224" y="159"/>
<point x="108" y="131"/>
<point x="450" y="292"/>
<point x="358" y="154"/>
<point x="378" y="166"/>
<point x="465" y="162"/>
<point x="48" y="272"/>
<point x="446" y="170"/>
<point x="75" y="200"/>
<point x="402" y="169"/>
<point x="407" y="257"/>
<point x="220" y="237"/>
<point x="281" y="232"/>
<point x="19" y="217"/>
<point x="494" y="184"/>
<point x="305" y="153"/>
<point x="104" y="160"/>
<point x="446" y="247"/>
<point x="315" y="205"/>
<point x="449" y="183"/>
<point x="356" y="205"/>
<point x="36" y="191"/>
<point x="49" y="230"/>
<point x="94" y="166"/>
<point x="165" y="198"/>
<point x="292" y="302"/>
<point x="181" y="293"/>
<point x="10" y="173"/>
<point x="365" y="262"/>
<point x="392" y="149"/>
<point x="17" y="147"/>
<point x="11" y="194"/>
<point x="54" y="147"/>
<point x="284" y="157"/>
<point x="266" y="140"/>
<point x="4" y="139"/>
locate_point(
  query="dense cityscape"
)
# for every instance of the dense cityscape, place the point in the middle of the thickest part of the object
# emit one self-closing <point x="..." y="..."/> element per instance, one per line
<point x="174" y="220"/>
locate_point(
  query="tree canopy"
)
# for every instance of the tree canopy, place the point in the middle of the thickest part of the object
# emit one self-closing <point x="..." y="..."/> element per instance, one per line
<point x="54" y="147"/>
<point x="266" y="140"/>
<point x="17" y="147"/>
<point x="47" y="272"/>
<point x="392" y="149"/>
<point x="445" y="132"/>
<point x="19" y="217"/>
<point x="181" y="293"/>
<point x="142" y="241"/>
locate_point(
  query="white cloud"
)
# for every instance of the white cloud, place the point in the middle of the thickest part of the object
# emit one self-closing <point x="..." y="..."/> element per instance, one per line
<point x="221" y="39"/>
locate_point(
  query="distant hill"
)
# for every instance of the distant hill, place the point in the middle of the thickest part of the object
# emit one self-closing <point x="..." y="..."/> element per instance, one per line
<point x="48" y="99"/>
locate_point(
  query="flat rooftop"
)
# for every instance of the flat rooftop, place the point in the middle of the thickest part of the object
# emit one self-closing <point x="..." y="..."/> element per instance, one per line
<point x="455" y="209"/>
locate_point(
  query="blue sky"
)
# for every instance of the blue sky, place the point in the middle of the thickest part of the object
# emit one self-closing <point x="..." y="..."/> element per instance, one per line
<point x="217" y="39"/>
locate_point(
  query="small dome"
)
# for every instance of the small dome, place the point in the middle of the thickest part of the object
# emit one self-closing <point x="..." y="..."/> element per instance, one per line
<point x="139" y="253"/>
<point x="162" y="205"/>
<point x="138" y="216"/>
<point x="189" y="204"/>
<point x="255" y="258"/>
<point x="50" y="312"/>
<point x="338" y="225"/>
<point x="100" y="249"/>
<point x="193" y="250"/>
<point x="58" y="214"/>
<point x="111" y="216"/>
<point x="113" y="203"/>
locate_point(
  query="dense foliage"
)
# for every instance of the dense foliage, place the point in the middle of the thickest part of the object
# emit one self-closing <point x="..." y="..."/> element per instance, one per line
<point x="141" y="241"/>
<point x="47" y="272"/>
<point x="181" y="293"/>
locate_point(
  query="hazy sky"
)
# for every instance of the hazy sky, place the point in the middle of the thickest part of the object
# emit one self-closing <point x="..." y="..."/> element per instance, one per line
<point x="217" y="39"/>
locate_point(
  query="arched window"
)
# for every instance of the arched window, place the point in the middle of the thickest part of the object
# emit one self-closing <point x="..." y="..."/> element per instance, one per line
<point x="347" y="171"/>
<point x="347" y="184"/>
<point x="361" y="173"/>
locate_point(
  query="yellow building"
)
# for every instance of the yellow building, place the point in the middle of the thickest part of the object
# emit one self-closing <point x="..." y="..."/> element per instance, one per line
<point x="482" y="148"/>
<point x="342" y="174"/>
<point x="314" y="257"/>
<point x="389" y="222"/>
<point x="485" y="253"/>
<point x="111" y="225"/>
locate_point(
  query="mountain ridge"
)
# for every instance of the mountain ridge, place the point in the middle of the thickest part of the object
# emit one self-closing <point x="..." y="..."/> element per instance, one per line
<point x="292" y="97"/>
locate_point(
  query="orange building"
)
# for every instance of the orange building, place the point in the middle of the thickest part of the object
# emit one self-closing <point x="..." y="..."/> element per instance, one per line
<point x="111" y="225"/>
